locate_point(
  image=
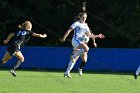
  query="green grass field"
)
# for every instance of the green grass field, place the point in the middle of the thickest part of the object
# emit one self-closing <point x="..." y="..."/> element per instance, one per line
<point x="54" y="82"/>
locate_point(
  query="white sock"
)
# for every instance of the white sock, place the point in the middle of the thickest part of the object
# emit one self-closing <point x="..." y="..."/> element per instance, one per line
<point x="17" y="65"/>
<point x="70" y="66"/>
<point x="138" y="70"/>
<point x="78" y="53"/>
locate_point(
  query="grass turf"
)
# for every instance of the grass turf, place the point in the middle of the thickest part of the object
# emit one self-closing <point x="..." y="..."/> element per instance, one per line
<point x="54" y="82"/>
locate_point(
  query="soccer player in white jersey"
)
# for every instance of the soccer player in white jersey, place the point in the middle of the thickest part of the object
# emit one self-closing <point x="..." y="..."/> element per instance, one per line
<point x="79" y="41"/>
<point x="137" y="72"/>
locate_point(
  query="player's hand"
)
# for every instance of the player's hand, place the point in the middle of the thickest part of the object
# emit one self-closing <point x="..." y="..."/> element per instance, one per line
<point x="95" y="45"/>
<point x="5" y="41"/>
<point x="44" y="36"/>
<point x="101" y="36"/>
<point x="62" y="40"/>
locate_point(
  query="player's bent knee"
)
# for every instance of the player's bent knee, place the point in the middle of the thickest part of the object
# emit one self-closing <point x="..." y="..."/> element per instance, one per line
<point x="84" y="60"/>
<point x="3" y="62"/>
<point x="21" y="59"/>
<point x="86" y="49"/>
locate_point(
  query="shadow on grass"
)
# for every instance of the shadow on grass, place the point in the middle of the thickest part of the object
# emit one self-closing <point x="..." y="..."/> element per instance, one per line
<point x="73" y="71"/>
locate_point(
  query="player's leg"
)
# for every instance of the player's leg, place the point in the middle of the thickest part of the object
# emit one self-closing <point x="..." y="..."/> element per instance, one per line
<point x="71" y="64"/>
<point x="82" y="49"/>
<point x="11" y="48"/>
<point x="137" y="72"/>
<point x="84" y="60"/>
<point x="20" y="58"/>
<point x="69" y="68"/>
<point x="6" y="57"/>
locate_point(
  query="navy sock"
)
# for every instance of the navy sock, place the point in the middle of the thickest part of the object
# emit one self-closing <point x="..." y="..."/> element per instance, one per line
<point x="82" y="64"/>
<point x="1" y="62"/>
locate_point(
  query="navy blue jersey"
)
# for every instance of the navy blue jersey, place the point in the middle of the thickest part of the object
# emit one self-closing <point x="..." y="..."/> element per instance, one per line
<point x="21" y="37"/>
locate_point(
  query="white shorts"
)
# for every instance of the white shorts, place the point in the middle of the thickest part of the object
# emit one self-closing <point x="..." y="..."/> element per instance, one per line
<point x="75" y="43"/>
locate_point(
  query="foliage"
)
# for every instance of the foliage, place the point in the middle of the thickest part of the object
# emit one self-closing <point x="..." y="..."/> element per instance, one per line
<point x="118" y="19"/>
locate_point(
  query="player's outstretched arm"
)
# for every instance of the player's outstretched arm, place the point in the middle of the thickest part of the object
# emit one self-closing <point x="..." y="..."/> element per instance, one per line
<point x="39" y="35"/>
<point x="97" y="36"/>
<point x="8" y="38"/>
<point x="66" y="34"/>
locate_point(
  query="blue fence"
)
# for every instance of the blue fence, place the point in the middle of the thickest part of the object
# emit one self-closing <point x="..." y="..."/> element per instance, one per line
<point x="58" y="58"/>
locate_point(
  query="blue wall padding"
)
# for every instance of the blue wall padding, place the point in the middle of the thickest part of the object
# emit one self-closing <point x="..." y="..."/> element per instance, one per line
<point x="58" y="58"/>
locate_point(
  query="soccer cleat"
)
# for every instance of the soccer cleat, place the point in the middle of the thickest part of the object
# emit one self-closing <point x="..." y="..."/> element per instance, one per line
<point x="72" y="59"/>
<point x="1" y="63"/>
<point x="135" y="76"/>
<point x="13" y="73"/>
<point x="67" y="75"/>
<point x="80" y="71"/>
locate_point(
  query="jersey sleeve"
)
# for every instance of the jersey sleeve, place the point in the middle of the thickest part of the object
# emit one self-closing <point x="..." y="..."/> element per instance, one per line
<point x="31" y="33"/>
<point x="74" y="25"/>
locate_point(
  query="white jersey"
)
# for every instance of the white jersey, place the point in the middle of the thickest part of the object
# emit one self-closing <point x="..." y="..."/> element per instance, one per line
<point x="80" y="30"/>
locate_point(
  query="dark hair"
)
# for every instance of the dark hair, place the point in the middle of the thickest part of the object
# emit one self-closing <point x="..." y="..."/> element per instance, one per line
<point x="77" y="18"/>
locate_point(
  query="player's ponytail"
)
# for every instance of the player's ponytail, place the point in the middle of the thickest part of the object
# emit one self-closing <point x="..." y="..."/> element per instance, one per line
<point x="20" y="26"/>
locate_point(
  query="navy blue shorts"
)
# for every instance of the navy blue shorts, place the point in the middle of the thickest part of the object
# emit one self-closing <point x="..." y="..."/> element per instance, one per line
<point x="12" y="48"/>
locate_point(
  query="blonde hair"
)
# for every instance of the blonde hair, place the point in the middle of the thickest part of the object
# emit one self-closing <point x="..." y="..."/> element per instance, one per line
<point x="26" y="25"/>
<point x="77" y="18"/>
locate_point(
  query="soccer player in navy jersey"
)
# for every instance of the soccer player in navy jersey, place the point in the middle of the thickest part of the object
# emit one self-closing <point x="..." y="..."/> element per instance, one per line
<point x="17" y="40"/>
